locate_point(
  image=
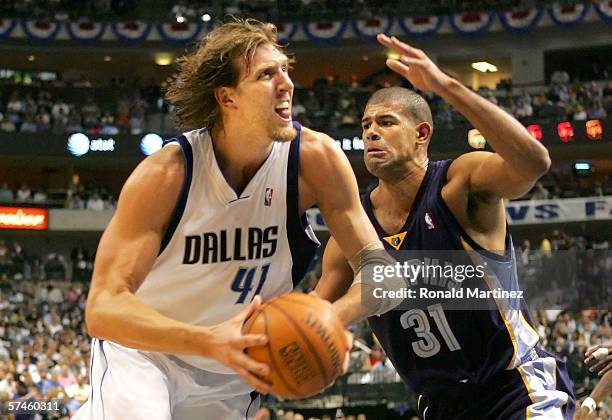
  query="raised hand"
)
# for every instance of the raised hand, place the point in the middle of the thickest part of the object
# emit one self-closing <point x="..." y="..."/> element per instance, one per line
<point x="415" y="66"/>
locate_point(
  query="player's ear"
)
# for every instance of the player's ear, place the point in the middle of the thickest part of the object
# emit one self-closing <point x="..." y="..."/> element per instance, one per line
<point x="424" y="131"/>
<point x="225" y="97"/>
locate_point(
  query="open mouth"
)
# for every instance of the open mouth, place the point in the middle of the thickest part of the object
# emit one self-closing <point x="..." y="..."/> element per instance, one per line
<point x="283" y="110"/>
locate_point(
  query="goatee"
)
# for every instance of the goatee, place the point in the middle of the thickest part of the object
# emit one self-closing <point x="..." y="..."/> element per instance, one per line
<point x="284" y="134"/>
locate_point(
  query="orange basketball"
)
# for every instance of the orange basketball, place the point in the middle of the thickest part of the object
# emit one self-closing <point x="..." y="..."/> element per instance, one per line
<point x="306" y="345"/>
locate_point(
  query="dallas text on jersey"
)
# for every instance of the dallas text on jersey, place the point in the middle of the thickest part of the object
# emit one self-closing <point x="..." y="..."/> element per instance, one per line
<point x="222" y="246"/>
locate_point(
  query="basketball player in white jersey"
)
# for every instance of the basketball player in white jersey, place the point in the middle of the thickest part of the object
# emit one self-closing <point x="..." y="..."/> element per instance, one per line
<point x="206" y="229"/>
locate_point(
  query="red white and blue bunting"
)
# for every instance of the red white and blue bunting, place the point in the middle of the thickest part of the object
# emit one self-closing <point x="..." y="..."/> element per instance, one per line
<point x="85" y="32"/>
<point x="6" y="27"/>
<point x="285" y="32"/>
<point x="421" y="27"/>
<point x="324" y="32"/>
<point x="568" y="15"/>
<point x="131" y="32"/>
<point x="367" y="29"/>
<point x="520" y="21"/>
<point x="604" y="10"/>
<point x="180" y="33"/>
<point x="471" y="24"/>
<point x="40" y="31"/>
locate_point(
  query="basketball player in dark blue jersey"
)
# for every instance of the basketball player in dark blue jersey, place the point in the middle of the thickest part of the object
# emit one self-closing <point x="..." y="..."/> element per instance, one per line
<point x="464" y="364"/>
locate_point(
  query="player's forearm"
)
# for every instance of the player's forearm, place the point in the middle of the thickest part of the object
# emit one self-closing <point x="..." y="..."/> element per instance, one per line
<point x="123" y="318"/>
<point x="503" y="132"/>
<point x="349" y="307"/>
<point x="603" y="389"/>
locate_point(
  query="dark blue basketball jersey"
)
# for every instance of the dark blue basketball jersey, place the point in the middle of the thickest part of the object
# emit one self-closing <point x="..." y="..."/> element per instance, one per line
<point x="443" y="353"/>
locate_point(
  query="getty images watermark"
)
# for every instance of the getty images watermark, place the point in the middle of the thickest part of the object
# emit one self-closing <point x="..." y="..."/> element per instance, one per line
<point x="469" y="280"/>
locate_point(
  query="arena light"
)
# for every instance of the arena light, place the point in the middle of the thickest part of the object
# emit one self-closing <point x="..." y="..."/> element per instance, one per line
<point x="476" y="139"/>
<point x="107" y="58"/>
<point x="594" y="130"/>
<point x="180" y="19"/>
<point x="31" y="58"/>
<point x="150" y="144"/>
<point x="565" y="131"/>
<point x="536" y="131"/>
<point x="582" y="169"/>
<point x="484" y="66"/>
<point x="206" y="17"/>
<point x="78" y="144"/>
<point x="163" y="59"/>
<point x="23" y="218"/>
<point x="392" y="55"/>
<point x="356" y="143"/>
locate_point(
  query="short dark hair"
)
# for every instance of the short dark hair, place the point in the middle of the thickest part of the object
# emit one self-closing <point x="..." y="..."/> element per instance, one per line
<point x="413" y="104"/>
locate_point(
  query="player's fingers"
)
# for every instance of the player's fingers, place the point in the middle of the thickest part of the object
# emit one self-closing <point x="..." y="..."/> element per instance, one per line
<point x="250" y="340"/>
<point x="601" y="364"/>
<point x="252" y="365"/>
<point x="398" y="67"/>
<point x="591" y="349"/>
<point x="350" y="339"/>
<point x="395" y="44"/>
<point x="249" y="310"/>
<point x="605" y="370"/>
<point x="259" y="384"/>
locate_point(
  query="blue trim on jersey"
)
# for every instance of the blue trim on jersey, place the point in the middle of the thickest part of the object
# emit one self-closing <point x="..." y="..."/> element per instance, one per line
<point x="103" y="375"/>
<point x="91" y="362"/>
<point x="254" y="395"/>
<point x="301" y="246"/>
<point x="179" y="209"/>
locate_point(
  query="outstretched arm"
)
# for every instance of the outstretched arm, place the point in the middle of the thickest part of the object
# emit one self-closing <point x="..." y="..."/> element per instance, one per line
<point x="519" y="161"/>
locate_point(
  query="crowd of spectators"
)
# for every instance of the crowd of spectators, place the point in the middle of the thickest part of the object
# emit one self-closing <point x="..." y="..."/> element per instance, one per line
<point x="44" y="348"/>
<point x="278" y="11"/>
<point x="327" y="104"/>
<point x="77" y="197"/>
<point x="37" y="110"/>
<point x="62" y="10"/>
<point x="560" y="182"/>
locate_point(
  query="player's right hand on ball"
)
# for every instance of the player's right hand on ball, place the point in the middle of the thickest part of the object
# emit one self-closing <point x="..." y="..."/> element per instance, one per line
<point x="228" y="344"/>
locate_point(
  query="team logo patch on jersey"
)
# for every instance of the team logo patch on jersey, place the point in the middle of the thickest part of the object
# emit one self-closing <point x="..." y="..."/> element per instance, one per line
<point x="268" y="197"/>
<point x="396" y="241"/>
<point x="429" y="220"/>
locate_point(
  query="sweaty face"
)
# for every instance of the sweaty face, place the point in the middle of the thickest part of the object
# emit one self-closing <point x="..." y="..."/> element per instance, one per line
<point x="263" y="96"/>
<point x="389" y="139"/>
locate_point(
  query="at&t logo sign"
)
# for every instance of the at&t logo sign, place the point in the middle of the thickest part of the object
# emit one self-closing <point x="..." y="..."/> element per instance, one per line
<point x="79" y="144"/>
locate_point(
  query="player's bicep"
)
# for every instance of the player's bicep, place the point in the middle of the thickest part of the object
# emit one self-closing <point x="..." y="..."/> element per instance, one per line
<point x="488" y="174"/>
<point x="132" y="240"/>
<point x="337" y="275"/>
<point x="328" y="173"/>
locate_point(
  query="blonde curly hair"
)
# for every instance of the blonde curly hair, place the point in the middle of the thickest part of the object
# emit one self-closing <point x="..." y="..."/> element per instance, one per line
<point x="216" y="63"/>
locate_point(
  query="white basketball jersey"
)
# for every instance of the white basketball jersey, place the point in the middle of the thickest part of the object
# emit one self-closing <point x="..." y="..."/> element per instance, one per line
<point x="221" y="249"/>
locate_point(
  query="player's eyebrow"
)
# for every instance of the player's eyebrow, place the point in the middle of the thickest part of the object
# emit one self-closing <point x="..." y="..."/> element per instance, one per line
<point x="379" y="117"/>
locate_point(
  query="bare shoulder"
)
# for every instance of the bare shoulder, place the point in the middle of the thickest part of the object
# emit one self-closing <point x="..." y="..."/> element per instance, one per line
<point x="316" y="144"/>
<point x="154" y="184"/>
<point x="464" y="165"/>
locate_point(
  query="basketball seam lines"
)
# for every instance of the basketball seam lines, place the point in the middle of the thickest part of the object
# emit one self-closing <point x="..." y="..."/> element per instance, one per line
<point x="273" y="361"/>
<point x="312" y="350"/>
<point x="298" y="301"/>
